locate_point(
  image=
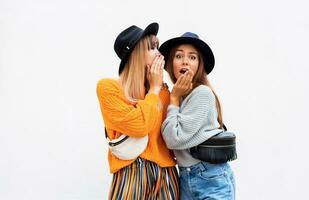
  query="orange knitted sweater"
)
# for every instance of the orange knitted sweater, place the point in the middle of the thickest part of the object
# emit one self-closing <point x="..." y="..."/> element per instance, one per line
<point x="139" y="119"/>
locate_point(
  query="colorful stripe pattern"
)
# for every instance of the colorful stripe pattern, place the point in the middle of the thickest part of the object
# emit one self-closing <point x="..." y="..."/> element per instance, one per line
<point x="145" y="180"/>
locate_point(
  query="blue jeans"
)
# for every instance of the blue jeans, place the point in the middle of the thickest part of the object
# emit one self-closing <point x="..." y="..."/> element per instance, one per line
<point x="207" y="181"/>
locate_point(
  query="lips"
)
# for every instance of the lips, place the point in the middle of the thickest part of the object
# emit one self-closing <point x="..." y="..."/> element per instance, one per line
<point x="183" y="70"/>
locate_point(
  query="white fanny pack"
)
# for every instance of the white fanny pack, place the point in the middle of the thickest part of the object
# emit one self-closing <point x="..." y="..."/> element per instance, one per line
<point x="126" y="147"/>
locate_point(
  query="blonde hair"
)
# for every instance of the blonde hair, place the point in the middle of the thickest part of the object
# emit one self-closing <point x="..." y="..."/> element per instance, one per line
<point x="200" y="78"/>
<point x="133" y="77"/>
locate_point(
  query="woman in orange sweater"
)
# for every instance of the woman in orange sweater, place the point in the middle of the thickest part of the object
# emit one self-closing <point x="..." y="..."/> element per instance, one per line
<point x="135" y="105"/>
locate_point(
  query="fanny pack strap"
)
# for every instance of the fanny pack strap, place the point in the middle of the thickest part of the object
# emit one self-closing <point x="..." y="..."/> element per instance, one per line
<point x="224" y="127"/>
<point x="117" y="141"/>
<point x="106" y="133"/>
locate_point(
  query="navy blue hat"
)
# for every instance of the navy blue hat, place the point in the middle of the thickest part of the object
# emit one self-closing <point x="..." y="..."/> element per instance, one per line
<point x="193" y="39"/>
<point x="127" y="39"/>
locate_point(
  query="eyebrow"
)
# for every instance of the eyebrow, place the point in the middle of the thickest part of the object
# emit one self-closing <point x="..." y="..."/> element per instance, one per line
<point x="191" y="52"/>
<point x="154" y="39"/>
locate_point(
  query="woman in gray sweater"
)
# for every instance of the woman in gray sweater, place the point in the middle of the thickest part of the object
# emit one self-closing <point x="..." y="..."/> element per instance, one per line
<point x="193" y="116"/>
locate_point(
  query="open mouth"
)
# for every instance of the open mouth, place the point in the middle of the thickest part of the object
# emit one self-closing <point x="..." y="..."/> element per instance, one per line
<point x="183" y="70"/>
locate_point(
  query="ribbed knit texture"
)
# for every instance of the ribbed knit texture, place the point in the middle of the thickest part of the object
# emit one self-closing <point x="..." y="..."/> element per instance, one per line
<point x="144" y="117"/>
<point x="193" y="122"/>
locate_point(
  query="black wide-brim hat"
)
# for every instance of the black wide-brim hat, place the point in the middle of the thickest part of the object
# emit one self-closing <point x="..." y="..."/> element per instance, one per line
<point x="127" y="39"/>
<point x="193" y="39"/>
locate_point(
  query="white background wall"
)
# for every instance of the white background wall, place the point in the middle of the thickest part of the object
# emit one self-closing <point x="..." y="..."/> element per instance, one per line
<point x="53" y="52"/>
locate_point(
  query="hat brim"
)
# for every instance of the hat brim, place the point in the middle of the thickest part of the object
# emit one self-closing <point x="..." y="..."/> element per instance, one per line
<point x="209" y="59"/>
<point x="151" y="29"/>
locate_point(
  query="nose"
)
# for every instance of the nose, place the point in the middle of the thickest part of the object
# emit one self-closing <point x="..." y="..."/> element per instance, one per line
<point x="157" y="52"/>
<point x="185" y="60"/>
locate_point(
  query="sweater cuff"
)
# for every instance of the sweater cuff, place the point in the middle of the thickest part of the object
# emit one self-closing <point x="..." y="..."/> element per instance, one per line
<point x="173" y="110"/>
<point x="152" y="97"/>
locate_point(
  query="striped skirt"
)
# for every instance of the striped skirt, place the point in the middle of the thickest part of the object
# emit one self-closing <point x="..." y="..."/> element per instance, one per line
<point x="145" y="180"/>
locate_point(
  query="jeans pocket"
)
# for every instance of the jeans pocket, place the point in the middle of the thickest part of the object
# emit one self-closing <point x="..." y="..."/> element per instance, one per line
<point x="213" y="185"/>
<point x="212" y="174"/>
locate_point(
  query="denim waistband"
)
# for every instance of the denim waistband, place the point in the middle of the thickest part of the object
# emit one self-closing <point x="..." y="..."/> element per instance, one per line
<point x="204" y="166"/>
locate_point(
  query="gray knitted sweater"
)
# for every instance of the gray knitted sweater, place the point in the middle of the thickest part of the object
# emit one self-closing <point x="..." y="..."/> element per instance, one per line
<point x="190" y="124"/>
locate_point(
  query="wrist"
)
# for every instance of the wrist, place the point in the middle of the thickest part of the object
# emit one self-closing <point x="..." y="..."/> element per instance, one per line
<point x="155" y="90"/>
<point x="174" y="101"/>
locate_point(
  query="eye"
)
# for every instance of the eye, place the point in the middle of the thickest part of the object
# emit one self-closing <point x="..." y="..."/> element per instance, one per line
<point x="192" y="57"/>
<point x="154" y="45"/>
<point x="178" y="56"/>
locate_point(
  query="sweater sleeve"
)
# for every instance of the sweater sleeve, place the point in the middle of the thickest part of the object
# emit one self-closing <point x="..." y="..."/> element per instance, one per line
<point x="181" y="126"/>
<point x="133" y="120"/>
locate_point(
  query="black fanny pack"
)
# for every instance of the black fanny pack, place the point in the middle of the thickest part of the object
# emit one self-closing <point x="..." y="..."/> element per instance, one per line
<point x="220" y="148"/>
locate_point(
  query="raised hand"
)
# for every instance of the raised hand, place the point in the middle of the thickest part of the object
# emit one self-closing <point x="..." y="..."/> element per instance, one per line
<point x="182" y="87"/>
<point x="155" y="74"/>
